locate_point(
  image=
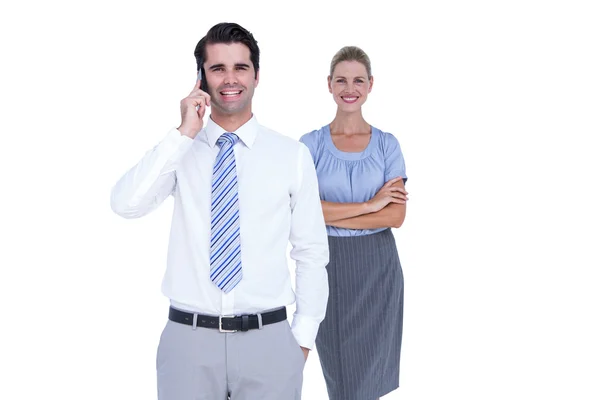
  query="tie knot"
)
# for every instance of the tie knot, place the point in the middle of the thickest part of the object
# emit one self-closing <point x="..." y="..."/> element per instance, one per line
<point x="227" y="138"/>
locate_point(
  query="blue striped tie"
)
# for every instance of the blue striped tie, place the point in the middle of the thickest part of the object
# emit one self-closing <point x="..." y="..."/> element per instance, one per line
<point x="225" y="258"/>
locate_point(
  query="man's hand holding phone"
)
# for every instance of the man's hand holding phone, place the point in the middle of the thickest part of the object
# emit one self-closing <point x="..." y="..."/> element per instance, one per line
<point x="193" y="108"/>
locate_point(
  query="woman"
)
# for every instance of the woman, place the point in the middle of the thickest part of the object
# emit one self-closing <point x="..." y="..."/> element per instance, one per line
<point x="361" y="182"/>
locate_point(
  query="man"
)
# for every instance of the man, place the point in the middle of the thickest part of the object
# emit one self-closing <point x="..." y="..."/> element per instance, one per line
<point x="241" y="192"/>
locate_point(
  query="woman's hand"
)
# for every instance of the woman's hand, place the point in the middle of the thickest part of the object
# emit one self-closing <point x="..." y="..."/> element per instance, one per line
<point x="386" y="195"/>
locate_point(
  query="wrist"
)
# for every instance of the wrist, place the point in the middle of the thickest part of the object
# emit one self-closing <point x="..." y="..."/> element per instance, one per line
<point x="367" y="207"/>
<point x="191" y="133"/>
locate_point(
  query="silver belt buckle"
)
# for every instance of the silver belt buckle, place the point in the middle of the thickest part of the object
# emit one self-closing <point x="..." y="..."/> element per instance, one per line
<point x="221" y="323"/>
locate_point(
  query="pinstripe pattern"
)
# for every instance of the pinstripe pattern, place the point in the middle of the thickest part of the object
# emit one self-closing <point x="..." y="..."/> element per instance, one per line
<point x="225" y="249"/>
<point x="360" y="339"/>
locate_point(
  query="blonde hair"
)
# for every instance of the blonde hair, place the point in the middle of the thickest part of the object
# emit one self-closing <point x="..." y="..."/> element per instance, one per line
<point x="351" y="53"/>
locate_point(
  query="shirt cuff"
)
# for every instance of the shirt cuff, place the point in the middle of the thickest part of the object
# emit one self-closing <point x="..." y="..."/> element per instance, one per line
<point x="175" y="144"/>
<point x="305" y="330"/>
<point x="396" y="174"/>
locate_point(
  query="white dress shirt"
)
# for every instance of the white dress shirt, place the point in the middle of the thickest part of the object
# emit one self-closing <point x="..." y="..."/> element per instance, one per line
<point x="278" y="202"/>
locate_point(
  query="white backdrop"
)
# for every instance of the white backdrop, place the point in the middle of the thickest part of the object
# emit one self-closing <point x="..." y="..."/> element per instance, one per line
<point x="495" y="104"/>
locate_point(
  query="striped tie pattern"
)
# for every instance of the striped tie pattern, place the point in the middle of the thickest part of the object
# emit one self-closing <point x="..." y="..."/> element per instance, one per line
<point x="225" y="250"/>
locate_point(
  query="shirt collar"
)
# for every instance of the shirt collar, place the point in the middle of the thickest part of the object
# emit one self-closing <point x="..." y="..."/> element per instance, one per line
<point x="247" y="132"/>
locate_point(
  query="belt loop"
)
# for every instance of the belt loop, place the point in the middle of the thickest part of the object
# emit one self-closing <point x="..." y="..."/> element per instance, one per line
<point x="259" y="320"/>
<point x="194" y="326"/>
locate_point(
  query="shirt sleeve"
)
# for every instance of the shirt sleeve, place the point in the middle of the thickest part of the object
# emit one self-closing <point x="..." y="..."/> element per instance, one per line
<point x="394" y="160"/>
<point x="310" y="140"/>
<point x="310" y="250"/>
<point x="147" y="184"/>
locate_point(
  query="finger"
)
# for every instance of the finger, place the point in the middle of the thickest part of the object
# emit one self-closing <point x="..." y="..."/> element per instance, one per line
<point x="201" y="108"/>
<point x="196" y="100"/>
<point x="201" y="111"/>
<point x="196" y="86"/>
<point x="201" y="103"/>
<point x="398" y="189"/>
<point x="399" y="196"/>
<point x="201" y="93"/>
<point x="197" y="92"/>
<point x="396" y="194"/>
<point x="398" y="201"/>
<point x="197" y="103"/>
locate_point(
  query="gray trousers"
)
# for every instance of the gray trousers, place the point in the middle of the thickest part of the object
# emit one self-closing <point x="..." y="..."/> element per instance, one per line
<point x="205" y="364"/>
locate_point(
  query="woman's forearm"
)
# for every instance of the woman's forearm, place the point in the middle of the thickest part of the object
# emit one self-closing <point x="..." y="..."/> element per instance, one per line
<point x="391" y="216"/>
<point x="340" y="211"/>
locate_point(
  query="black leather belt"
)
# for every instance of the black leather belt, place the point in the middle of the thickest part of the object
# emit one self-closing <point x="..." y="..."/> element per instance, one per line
<point x="229" y="323"/>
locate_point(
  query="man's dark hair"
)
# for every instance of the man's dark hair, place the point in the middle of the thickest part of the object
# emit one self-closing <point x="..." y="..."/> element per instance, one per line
<point x="227" y="32"/>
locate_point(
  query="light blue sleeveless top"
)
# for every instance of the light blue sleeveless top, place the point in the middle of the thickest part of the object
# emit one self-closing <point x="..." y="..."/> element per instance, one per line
<point x="354" y="177"/>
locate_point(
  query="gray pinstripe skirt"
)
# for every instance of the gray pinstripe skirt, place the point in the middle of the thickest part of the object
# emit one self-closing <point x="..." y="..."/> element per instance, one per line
<point x="360" y="338"/>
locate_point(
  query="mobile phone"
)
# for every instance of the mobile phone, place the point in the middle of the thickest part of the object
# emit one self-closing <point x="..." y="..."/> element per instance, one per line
<point x="203" y="85"/>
